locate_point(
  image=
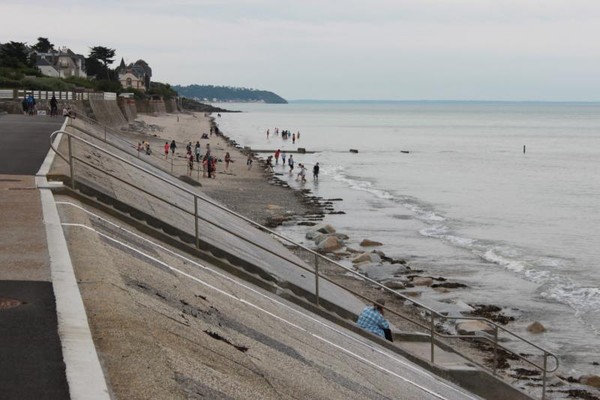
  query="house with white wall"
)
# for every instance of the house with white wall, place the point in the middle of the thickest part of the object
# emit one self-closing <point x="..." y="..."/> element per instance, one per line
<point x="61" y="63"/>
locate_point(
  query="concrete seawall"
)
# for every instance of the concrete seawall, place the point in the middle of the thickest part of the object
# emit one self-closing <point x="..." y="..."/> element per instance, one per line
<point x="108" y="113"/>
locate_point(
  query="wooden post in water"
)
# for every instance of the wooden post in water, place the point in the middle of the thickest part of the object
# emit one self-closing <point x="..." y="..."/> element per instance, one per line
<point x="523" y="149"/>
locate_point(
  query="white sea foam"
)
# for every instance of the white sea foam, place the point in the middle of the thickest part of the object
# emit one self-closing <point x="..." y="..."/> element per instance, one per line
<point x="513" y="265"/>
<point x="338" y="174"/>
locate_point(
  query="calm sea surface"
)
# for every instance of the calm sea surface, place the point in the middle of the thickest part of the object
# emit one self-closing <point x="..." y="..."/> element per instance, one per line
<point x="521" y="230"/>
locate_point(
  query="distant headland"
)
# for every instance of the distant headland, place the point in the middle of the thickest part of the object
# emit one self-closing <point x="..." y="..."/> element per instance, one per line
<point x="228" y="94"/>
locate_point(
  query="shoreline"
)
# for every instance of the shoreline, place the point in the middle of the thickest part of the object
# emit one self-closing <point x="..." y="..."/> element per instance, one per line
<point x="265" y="198"/>
<point x="252" y="192"/>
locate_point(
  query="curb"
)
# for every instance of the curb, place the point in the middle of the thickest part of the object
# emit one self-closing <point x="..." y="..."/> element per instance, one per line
<point x="84" y="373"/>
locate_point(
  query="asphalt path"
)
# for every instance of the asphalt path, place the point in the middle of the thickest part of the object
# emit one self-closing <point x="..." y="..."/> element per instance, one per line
<point x="31" y="360"/>
<point x="24" y="142"/>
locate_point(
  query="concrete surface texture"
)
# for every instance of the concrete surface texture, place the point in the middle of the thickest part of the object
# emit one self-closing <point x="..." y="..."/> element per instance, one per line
<point x="168" y="326"/>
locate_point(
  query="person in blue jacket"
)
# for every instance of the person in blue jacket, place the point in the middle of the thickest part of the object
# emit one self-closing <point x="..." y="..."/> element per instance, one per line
<point x="371" y="319"/>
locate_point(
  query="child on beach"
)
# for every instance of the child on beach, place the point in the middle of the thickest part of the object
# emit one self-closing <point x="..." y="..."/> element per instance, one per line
<point x="167" y="148"/>
<point x="291" y="163"/>
<point x="249" y="162"/>
<point x="302" y="174"/>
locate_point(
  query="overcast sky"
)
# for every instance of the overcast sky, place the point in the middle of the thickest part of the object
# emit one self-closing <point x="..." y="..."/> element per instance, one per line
<point x="339" y="49"/>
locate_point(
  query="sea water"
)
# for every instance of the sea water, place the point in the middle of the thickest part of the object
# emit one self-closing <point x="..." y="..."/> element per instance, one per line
<point x="503" y="197"/>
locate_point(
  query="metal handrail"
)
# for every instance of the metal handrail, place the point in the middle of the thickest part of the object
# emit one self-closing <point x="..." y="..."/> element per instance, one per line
<point x="116" y="134"/>
<point x="433" y="313"/>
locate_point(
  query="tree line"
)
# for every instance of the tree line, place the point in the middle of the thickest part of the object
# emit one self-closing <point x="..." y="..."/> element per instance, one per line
<point x="18" y="69"/>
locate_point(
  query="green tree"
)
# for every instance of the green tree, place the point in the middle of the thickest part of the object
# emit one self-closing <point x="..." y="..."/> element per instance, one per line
<point x="95" y="68"/>
<point x="14" y="55"/>
<point x="43" y="45"/>
<point x="104" y="55"/>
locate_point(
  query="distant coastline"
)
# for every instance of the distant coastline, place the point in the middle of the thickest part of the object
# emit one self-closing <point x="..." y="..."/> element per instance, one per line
<point x="228" y="94"/>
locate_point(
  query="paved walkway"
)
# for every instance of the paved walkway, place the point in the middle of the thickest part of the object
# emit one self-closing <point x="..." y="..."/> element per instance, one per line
<point x="36" y="331"/>
<point x="31" y="362"/>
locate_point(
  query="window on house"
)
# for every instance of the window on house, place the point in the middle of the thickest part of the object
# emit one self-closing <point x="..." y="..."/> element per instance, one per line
<point x="128" y="82"/>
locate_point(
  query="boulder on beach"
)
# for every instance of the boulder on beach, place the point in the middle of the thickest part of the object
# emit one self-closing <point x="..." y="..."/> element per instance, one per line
<point x="473" y="328"/>
<point x="370" y="243"/>
<point x="366" y="257"/>
<point x="326" y="229"/>
<point x="319" y="237"/>
<point x="422" y="281"/>
<point x="310" y="235"/>
<point x="394" y="285"/>
<point x="331" y="243"/>
<point x="536" y="327"/>
<point x="590" y="380"/>
<point x="380" y="272"/>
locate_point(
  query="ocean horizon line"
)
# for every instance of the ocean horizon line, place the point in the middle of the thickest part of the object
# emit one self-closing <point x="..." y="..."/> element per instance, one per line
<point x="446" y="101"/>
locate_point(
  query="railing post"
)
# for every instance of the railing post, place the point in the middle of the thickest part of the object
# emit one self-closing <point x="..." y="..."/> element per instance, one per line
<point x="105" y="134"/>
<point x="495" y="348"/>
<point x="196" y="221"/>
<point x="544" y="375"/>
<point x="317" y="278"/>
<point x="172" y="157"/>
<point x="432" y="338"/>
<point x="71" y="168"/>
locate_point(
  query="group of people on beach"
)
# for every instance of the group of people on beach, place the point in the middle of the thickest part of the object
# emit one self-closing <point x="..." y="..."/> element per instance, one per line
<point x="285" y="134"/>
<point x="194" y="155"/>
<point x="290" y="162"/>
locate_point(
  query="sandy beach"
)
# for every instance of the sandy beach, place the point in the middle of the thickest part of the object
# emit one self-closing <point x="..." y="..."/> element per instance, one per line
<point x="252" y="192"/>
